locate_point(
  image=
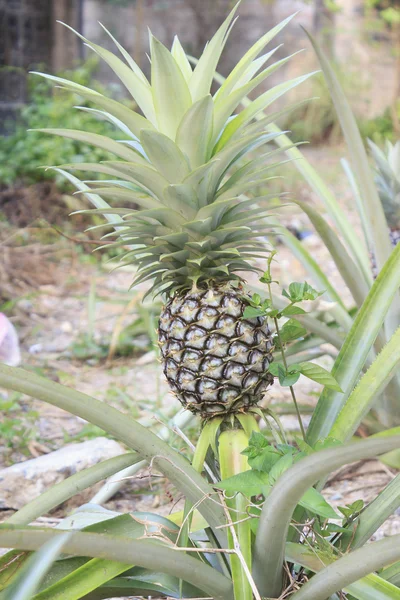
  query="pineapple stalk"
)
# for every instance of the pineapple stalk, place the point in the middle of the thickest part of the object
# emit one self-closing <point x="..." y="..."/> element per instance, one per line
<point x="232" y="442"/>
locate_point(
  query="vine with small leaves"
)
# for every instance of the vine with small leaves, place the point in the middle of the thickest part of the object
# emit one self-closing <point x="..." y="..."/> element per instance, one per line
<point x="291" y="330"/>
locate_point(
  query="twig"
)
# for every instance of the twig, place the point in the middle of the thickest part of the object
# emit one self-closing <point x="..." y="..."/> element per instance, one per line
<point x="238" y="551"/>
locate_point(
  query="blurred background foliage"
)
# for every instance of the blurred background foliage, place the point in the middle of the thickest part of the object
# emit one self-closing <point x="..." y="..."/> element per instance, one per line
<point x="374" y="26"/>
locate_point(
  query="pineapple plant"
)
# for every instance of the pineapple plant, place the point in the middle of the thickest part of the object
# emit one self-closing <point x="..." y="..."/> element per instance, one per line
<point x="188" y="166"/>
<point x="387" y="180"/>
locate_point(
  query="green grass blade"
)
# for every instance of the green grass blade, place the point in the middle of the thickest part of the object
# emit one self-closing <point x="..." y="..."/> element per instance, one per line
<point x="344" y="263"/>
<point x="143" y="553"/>
<point x="279" y="506"/>
<point x="370" y="587"/>
<point x="25" y="585"/>
<point x="137" y="437"/>
<point x="347" y="570"/>
<point x="358" y="343"/>
<point x="368" y="389"/>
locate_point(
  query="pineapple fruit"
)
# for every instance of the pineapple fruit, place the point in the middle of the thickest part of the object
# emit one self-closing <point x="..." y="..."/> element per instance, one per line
<point x="195" y="227"/>
<point x="387" y="179"/>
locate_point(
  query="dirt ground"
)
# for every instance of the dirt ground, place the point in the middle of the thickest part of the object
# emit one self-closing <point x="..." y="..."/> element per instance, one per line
<point x="57" y="294"/>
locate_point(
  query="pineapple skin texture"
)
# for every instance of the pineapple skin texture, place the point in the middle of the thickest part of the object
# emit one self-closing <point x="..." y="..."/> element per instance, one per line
<point x="216" y="362"/>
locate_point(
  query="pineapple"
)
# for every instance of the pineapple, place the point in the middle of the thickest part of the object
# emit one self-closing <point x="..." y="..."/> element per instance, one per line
<point x="185" y="165"/>
<point x="387" y="179"/>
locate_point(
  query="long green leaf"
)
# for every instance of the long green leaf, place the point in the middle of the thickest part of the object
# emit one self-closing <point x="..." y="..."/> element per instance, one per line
<point x="101" y="141"/>
<point x="224" y="107"/>
<point x="171" y="94"/>
<point x="165" y="155"/>
<point x="362" y="171"/>
<point x="136" y="85"/>
<point x="374" y="515"/>
<point x="83" y="579"/>
<point x="255" y="107"/>
<point x="373" y="207"/>
<point x="70" y="487"/>
<point x="359" y="341"/>
<point x="320" y="188"/>
<point x="392" y="573"/>
<point x="35" y="569"/>
<point x="358" y="201"/>
<point x="344" y="263"/>
<point x="195" y="131"/>
<point x="96" y="200"/>
<point x="370" y="587"/>
<point x="144" y="553"/>
<point x="137" y="437"/>
<point x="182" y="60"/>
<point x="344" y="572"/>
<point x="368" y="389"/>
<point x="320" y="279"/>
<point x="203" y="74"/>
<point x="239" y="70"/>
<point x="279" y="506"/>
<point x="130" y="118"/>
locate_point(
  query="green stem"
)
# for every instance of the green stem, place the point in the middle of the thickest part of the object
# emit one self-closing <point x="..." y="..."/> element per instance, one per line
<point x="278" y="334"/>
<point x="198" y="461"/>
<point x="231" y="444"/>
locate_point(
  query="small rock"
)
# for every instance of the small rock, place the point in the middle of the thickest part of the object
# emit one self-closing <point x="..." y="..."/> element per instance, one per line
<point x="24" y="481"/>
<point x="25" y="305"/>
<point x="9" y="344"/>
<point x="336" y="496"/>
<point x="66" y="327"/>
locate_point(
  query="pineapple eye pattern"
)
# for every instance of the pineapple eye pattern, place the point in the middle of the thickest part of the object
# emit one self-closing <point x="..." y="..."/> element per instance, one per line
<point x="220" y="361"/>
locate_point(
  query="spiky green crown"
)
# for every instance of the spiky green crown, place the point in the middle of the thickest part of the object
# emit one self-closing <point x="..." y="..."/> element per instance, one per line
<point x="195" y="221"/>
<point x="387" y="179"/>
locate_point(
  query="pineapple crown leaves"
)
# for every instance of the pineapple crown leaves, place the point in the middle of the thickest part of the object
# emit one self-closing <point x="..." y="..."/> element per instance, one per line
<point x="387" y="179"/>
<point x="185" y="163"/>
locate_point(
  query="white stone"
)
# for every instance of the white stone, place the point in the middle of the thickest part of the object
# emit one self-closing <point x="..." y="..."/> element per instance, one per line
<point x="24" y="481"/>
